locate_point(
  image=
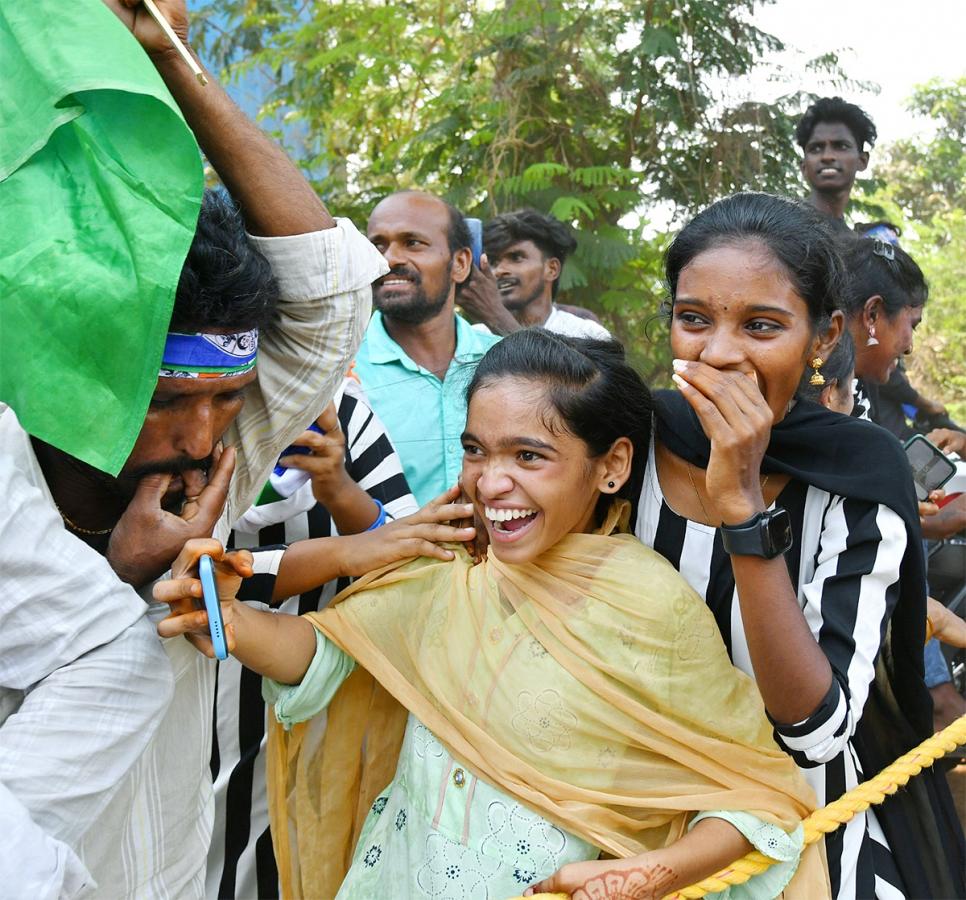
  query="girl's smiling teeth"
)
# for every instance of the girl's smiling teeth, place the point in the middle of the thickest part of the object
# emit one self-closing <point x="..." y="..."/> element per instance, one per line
<point x="507" y="520"/>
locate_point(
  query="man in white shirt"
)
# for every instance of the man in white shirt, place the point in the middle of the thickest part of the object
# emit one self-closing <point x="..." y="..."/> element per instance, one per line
<point x="83" y="683"/>
<point x="526" y="252"/>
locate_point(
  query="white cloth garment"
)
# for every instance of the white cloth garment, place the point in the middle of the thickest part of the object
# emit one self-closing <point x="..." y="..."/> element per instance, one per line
<point x="561" y="322"/>
<point x="152" y="839"/>
<point x="83" y="682"/>
<point x="32" y="863"/>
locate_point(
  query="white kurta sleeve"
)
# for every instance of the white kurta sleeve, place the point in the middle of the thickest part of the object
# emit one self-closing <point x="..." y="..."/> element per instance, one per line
<point x="84" y="682"/>
<point x="32" y="863"/>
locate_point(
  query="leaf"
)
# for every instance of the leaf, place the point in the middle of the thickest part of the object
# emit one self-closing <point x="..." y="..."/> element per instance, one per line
<point x="659" y="42"/>
<point x="567" y="209"/>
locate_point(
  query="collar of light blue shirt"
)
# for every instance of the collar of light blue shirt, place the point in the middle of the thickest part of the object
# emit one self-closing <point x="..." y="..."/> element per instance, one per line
<point x="471" y="343"/>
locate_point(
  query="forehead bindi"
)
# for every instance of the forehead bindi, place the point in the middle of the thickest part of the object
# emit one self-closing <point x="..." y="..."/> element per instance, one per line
<point x="733" y="278"/>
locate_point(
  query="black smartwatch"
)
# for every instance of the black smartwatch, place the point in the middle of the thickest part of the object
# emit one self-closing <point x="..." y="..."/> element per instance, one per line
<point x="767" y="534"/>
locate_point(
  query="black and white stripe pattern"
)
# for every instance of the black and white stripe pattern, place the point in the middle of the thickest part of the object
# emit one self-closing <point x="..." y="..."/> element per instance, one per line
<point x="241" y="863"/>
<point x="861" y="401"/>
<point x="845" y="566"/>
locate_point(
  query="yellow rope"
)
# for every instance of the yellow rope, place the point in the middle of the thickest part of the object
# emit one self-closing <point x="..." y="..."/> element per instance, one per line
<point x="837" y="813"/>
<point x="829" y="818"/>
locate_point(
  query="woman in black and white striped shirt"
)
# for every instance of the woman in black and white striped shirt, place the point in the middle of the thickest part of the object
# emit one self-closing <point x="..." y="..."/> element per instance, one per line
<point x="241" y="862"/>
<point x="799" y="528"/>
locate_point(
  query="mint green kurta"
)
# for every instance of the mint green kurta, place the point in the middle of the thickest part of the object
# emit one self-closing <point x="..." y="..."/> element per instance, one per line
<point x="437" y="831"/>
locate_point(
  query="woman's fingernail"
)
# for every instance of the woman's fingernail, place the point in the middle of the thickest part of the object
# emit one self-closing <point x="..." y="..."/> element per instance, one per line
<point x="468" y="530"/>
<point x="679" y="381"/>
<point x="679" y="365"/>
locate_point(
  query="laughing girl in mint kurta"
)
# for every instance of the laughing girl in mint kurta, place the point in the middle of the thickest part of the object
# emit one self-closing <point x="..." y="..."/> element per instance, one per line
<point x="496" y="725"/>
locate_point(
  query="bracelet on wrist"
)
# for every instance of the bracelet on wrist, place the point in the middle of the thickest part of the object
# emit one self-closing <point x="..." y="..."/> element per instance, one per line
<point x="380" y="518"/>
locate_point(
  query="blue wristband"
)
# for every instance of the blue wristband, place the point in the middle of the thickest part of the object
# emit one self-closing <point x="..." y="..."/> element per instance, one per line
<point x="380" y="519"/>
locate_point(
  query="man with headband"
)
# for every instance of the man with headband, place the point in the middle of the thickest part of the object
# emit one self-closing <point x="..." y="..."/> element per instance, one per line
<point x="263" y="328"/>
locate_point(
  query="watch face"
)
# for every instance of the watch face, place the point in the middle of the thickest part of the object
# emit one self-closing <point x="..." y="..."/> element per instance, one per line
<point x="779" y="532"/>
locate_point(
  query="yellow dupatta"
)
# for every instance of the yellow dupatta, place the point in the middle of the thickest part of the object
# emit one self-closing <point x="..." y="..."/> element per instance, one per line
<point x="592" y="685"/>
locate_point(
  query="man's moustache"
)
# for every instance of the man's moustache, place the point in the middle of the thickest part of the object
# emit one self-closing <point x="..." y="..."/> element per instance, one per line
<point x="172" y="467"/>
<point x="414" y="277"/>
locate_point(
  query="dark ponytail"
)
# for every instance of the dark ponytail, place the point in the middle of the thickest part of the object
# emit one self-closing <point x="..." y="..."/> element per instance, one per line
<point x="597" y="395"/>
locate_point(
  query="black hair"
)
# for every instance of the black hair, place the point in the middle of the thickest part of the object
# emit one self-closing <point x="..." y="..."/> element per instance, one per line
<point x="458" y="232"/>
<point x="225" y="281"/>
<point x="876" y="267"/>
<point x="797" y="235"/>
<point x="839" y="365"/>
<point x="834" y="110"/>
<point x="598" y="396"/>
<point x="551" y="236"/>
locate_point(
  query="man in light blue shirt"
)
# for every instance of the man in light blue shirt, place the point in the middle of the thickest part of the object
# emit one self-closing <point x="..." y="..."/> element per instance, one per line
<point x="418" y="354"/>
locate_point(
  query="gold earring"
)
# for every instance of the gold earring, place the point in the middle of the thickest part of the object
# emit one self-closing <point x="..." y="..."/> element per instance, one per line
<point x="817" y="379"/>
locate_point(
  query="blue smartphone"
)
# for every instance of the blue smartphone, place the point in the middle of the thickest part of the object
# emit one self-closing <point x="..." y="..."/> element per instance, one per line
<point x="295" y="449"/>
<point x="476" y="239"/>
<point x="216" y="625"/>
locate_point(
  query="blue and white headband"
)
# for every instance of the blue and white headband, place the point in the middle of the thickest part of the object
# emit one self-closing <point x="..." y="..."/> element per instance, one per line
<point x="207" y="355"/>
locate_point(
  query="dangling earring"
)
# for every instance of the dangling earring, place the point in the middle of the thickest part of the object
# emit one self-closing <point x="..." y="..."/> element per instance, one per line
<point x="872" y="342"/>
<point x="817" y="379"/>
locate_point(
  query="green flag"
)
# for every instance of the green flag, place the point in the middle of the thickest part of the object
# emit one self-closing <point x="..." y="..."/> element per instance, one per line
<point x="100" y="187"/>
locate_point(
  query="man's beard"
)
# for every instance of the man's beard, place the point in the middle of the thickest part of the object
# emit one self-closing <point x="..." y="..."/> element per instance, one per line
<point x="418" y="307"/>
<point x="516" y="305"/>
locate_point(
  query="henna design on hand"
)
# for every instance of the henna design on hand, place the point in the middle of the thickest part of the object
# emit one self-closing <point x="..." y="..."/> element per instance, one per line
<point x="639" y="883"/>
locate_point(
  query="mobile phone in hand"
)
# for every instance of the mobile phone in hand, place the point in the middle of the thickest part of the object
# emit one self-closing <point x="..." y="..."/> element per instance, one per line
<point x="476" y="239"/>
<point x="295" y="450"/>
<point x="216" y="625"/>
<point x="931" y="468"/>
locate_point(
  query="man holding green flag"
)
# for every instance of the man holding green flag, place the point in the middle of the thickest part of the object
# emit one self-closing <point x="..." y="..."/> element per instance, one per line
<point x="150" y="372"/>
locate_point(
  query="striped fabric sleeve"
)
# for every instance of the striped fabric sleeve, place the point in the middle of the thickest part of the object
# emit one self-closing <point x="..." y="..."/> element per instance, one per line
<point x="265" y="563"/>
<point x="848" y="604"/>
<point x="372" y="460"/>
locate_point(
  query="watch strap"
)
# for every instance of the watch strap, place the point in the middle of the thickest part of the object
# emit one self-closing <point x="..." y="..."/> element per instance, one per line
<point x="765" y="534"/>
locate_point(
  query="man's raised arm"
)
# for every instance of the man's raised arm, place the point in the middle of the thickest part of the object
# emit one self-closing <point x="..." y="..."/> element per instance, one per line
<point x="274" y="197"/>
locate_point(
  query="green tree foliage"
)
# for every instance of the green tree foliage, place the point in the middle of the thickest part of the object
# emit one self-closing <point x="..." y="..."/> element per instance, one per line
<point x="924" y="189"/>
<point x="927" y="178"/>
<point x="594" y="110"/>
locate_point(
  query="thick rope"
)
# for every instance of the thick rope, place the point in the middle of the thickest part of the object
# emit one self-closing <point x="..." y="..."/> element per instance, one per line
<point x="837" y="813"/>
<point x="829" y="818"/>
